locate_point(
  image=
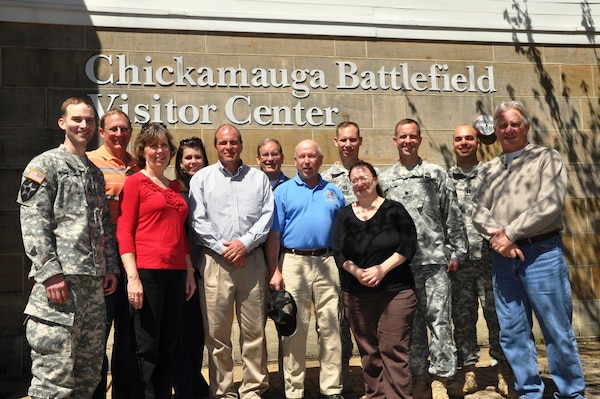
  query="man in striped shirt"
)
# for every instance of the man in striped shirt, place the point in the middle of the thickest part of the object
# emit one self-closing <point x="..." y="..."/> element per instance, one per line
<point x="116" y="164"/>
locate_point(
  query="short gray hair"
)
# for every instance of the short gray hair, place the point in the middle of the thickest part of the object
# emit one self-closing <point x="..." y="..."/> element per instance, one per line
<point x="506" y="105"/>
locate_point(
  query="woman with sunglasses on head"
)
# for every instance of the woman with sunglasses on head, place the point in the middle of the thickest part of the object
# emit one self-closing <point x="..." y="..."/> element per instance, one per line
<point x="188" y="381"/>
<point x="373" y="241"/>
<point x="156" y="257"/>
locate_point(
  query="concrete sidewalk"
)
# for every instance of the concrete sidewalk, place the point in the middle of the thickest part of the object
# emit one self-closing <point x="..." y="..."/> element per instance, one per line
<point x="589" y="351"/>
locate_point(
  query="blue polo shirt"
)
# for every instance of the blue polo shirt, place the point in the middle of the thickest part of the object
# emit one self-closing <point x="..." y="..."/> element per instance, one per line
<point x="304" y="215"/>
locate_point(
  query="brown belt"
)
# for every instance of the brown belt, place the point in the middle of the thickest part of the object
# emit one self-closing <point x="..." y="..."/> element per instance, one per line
<point x="541" y="237"/>
<point x="307" y="252"/>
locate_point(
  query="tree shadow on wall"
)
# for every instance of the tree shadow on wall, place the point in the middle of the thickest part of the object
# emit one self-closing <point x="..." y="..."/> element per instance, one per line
<point x="574" y="141"/>
<point x="576" y="119"/>
<point x="566" y="120"/>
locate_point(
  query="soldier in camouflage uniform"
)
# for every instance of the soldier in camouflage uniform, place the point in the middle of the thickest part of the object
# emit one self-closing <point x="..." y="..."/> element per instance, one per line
<point x="68" y="236"/>
<point x="428" y="195"/>
<point x="348" y="141"/>
<point x="473" y="281"/>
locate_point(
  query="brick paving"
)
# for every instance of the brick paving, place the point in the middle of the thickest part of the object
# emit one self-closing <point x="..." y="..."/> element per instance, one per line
<point x="486" y="377"/>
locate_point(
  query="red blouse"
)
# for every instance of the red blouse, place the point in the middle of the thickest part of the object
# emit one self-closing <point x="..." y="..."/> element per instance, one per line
<point x="151" y="224"/>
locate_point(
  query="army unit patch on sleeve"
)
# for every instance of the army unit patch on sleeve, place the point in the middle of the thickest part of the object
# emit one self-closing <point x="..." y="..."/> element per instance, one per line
<point x="31" y="184"/>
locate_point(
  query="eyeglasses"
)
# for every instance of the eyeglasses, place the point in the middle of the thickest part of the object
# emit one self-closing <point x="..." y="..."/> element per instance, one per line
<point x="273" y="154"/>
<point x="362" y="179"/>
<point x="123" y="129"/>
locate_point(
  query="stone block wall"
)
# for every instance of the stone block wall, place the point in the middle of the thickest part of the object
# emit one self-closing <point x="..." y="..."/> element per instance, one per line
<point x="41" y="65"/>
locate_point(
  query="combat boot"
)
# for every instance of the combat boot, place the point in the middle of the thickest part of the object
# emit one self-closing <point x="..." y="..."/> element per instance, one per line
<point x="505" y="378"/>
<point x="421" y="387"/>
<point x="439" y="387"/>
<point x="463" y="383"/>
<point x="455" y="385"/>
<point x="470" y="385"/>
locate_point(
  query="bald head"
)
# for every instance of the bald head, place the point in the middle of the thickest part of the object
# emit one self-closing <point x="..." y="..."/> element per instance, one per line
<point x="308" y="159"/>
<point x="465" y="145"/>
<point x="308" y="144"/>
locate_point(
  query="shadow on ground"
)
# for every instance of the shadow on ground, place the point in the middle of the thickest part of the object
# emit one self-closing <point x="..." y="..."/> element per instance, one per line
<point x="486" y="377"/>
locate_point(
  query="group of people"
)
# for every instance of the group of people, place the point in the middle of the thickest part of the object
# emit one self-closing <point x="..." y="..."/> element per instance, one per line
<point x="402" y="257"/>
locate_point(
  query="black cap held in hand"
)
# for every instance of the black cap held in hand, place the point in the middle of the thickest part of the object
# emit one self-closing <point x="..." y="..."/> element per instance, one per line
<point x="281" y="308"/>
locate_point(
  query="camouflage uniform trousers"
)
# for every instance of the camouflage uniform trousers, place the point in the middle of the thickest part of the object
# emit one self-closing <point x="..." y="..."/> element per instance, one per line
<point x="66" y="361"/>
<point x="470" y="285"/>
<point x="437" y="356"/>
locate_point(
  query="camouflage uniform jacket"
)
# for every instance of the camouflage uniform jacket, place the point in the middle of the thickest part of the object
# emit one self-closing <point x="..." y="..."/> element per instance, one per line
<point x="339" y="176"/>
<point x="464" y="182"/>
<point x="66" y="228"/>
<point x="429" y="197"/>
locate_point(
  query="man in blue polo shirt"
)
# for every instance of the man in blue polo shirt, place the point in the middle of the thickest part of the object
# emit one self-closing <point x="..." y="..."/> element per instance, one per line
<point x="305" y="209"/>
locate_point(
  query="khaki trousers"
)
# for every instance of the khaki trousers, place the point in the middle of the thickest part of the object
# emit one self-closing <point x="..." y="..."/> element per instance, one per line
<point x="313" y="279"/>
<point x="224" y="287"/>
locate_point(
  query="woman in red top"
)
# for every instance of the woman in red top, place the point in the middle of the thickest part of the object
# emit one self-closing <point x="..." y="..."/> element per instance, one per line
<point x="156" y="257"/>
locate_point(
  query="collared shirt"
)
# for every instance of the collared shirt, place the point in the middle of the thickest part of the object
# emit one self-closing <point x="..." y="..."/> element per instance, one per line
<point x="115" y="172"/>
<point x="429" y="196"/>
<point x="525" y="196"/>
<point x="226" y="207"/>
<point x="281" y="179"/>
<point x="305" y="215"/>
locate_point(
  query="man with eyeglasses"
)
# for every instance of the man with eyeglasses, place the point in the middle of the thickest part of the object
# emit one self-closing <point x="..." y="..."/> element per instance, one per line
<point x="116" y="164"/>
<point x="269" y="156"/>
<point x="428" y="195"/>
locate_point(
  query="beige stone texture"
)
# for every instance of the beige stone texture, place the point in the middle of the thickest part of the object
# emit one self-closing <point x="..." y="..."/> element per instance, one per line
<point x="590" y="109"/>
<point x="267" y="45"/>
<point x="585" y="249"/>
<point x="523" y="80"/>
<point x="154" y="41"/>
<point x="575" y="216"/>
<point x="393" y="106"/>
<point x="577" y="80"/>
<point x="428" y="51"/>
<point x="596" y="280"/>
<point x="577" y="147"/>
<point x="271" y="62"/>
<point x="585" y="320"/>
<point x="510" y="53"/>
<point x="350" y="48"/>
<point x="571" y="55"/>
<point x="596" y="86"/>
<point x="582" y="285"/>
<point x="583" y="182"/>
